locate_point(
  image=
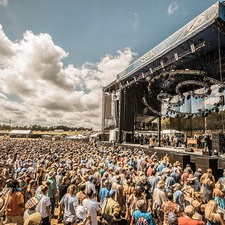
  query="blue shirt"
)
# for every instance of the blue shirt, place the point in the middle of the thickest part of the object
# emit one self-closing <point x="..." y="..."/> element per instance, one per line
<point x="142" y="213"/>
<point x="160" y="168"/>
<point x="103" y="193"/>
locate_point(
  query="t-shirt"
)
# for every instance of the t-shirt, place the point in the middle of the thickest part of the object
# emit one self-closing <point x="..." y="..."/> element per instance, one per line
<point x="52" y="188"/>
<point x="188" y="221"/>
<point x="62" y="190"/>
<point x="42" y="204"/>
<point x="69" y="202"/>
<point x="111" y="221"/>
<point x="13" y="208"/>
<point x="93" y="208"/>
<point x="167" y="207"/>
<point x="104" y="193"/>
<point x="142" y="213"/>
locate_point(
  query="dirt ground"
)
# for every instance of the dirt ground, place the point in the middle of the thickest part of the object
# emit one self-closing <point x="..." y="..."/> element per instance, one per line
<point x="54" y="221"/>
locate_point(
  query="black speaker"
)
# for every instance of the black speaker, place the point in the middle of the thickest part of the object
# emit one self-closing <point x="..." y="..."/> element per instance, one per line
<point x="129" y="137"/>
<point x="218" y="142"/>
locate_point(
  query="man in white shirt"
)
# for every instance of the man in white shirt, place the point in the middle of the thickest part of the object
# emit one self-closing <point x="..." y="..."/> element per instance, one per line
<point x="43" y="207"/>
<point x="92" y="207"/>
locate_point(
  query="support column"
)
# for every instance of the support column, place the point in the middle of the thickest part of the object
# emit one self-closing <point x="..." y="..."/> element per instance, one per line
<point x="159" y="130"/>
<point x="103" y="110"/>
<point x="121" y="115"/>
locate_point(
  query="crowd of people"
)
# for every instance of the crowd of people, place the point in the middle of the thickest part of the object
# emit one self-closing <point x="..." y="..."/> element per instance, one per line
<point x="88" y="184"/>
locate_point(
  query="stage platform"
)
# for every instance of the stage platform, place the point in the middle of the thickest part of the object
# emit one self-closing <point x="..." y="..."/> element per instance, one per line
<point x="195" y="159"/>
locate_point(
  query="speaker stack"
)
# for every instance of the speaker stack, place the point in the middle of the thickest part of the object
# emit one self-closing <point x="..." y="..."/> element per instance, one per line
<point x="218" y="142"/>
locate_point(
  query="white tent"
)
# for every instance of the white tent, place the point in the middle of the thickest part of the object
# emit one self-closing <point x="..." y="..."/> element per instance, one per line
<point x="20" y="133"/>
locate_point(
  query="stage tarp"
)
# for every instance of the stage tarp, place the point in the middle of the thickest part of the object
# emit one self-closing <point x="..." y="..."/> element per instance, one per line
<point x="198" y="24"/>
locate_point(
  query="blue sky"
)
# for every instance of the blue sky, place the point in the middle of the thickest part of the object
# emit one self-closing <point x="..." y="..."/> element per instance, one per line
<point x="90" y="29"/>
<point x="56" y="55"/>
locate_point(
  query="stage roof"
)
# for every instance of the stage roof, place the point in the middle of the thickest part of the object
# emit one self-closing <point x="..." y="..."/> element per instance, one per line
<point x="200" y="28"/>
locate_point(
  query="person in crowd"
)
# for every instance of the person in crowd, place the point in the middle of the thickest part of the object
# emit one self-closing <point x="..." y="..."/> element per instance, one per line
<point x="43" y="206"/>
<point x="211" y="214"/>
<point x="159" y="197"/>
<point x="52" y="192"/>
<point x="187" y="218"/>
<point x="69" y="203"/>
<point x="16" y="205"/>
<point x="114" y="176"/>
<point x="30" y="206"/>
<point x="142" y="215"/>
<point x="92" y="206"/>
<point x="115" y="218"/>
<point x="104" y="191"/>
<point x="169" y="206"/>
<point x="82" y="217"/>
<point x="109" y="203"/>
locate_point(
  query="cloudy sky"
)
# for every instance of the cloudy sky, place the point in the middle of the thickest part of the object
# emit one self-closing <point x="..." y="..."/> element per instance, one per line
<point x="56" y="55"/>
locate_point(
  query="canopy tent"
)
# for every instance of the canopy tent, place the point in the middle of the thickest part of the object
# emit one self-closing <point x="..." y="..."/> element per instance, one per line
<point x="77" y="137"/>
<point x="20" y="133"/>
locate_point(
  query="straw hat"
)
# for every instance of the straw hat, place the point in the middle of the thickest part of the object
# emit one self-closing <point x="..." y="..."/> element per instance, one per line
<point x="51" y="174"/>
<point x="160" y="184"/>
<point x="59" y="170"/>
<point x="195" y="203"/>
<point x="126" y="167"/>
<point x="177" y="185"/>
<point x="33" y="219"/>
<point x="189" y="209"/>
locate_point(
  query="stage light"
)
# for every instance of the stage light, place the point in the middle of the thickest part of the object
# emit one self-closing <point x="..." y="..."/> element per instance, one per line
<point x="192" y="48"/>
<point x="151" y="71"/>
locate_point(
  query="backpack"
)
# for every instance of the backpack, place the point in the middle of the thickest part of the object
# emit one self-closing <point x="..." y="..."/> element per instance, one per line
<point x="172" y="218"/>
<point x="142" y="221"/>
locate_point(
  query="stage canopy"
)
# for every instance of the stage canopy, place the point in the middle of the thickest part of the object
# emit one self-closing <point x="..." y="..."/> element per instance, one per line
<point x="200" y="30"/>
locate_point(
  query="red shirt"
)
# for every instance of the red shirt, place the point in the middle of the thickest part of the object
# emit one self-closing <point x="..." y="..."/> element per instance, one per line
<point x="188" y="221"/>
<point x="149" y="171"/>
<point x="13" y="208"/>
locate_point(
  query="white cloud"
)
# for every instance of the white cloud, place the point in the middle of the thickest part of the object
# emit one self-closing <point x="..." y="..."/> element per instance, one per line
<point x="173" y="7"/>
<point x="49" y="93"/>
<point x="4" y="2"/>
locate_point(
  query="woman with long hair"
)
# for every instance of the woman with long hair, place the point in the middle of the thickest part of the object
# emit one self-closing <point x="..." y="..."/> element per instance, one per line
<point x="69" y="203"/>
<point x="211" y="214"/>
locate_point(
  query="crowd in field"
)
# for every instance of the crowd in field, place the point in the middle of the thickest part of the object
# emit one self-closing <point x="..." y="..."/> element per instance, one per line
<point x="89" y="184"/>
